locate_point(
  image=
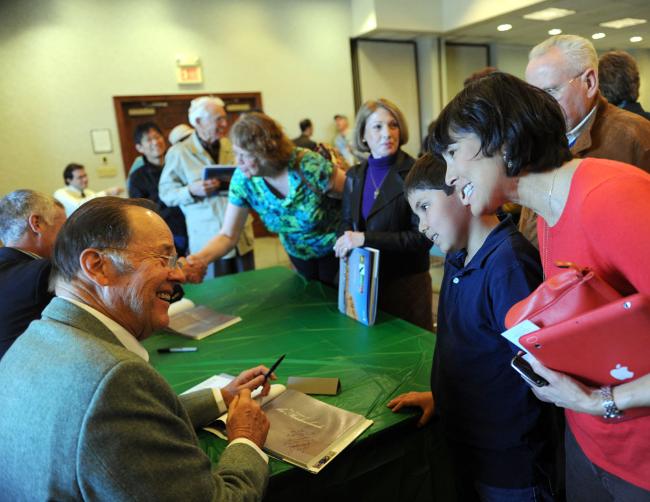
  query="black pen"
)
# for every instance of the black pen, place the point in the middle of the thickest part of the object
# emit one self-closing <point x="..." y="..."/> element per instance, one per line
<point x="275" y="365"/>
<point x="168" y="350"/>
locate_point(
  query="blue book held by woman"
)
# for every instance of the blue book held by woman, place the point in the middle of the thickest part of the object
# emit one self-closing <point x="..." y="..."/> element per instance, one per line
<point x="358" y="284"/>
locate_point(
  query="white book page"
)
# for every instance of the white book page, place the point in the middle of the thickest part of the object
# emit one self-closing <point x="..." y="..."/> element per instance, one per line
<point x="517" y="331"/>
<point x="304" y="430"/>
<point x="180" y="306"/>
<point x="214" y="382"/>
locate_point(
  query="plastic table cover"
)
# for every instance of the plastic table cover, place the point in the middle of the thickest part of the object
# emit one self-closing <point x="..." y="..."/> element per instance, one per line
<point x="282" y="313"/>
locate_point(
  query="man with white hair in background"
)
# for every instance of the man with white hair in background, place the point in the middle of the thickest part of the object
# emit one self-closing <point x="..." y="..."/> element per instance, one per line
<point x="204" y="206"/>
<point x="29" y="224"/>
<point x="566" y="67"/>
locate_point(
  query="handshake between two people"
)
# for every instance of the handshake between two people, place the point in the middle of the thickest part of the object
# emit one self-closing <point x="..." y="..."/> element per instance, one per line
<point x="245" y="417"/>
<point x="193" y="268"/>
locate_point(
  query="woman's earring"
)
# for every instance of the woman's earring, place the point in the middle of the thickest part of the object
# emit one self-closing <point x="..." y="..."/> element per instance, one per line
<point x="507" y="162"/>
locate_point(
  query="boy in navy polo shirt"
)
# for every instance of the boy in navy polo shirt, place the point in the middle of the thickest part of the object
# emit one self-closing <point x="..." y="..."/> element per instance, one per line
<point x="492" y="422"/>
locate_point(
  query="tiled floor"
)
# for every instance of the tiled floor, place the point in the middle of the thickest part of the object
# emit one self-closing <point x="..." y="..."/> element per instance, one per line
<point x="270" y="253"/>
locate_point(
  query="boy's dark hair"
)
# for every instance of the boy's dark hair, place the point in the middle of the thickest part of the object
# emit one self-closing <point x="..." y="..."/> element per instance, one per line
<point x="508" y="115"/>
<point x="428" y="173"/>
<point x="69" y="170"/>
<point x="305" y="124"/>
<point x="142" y="129"/>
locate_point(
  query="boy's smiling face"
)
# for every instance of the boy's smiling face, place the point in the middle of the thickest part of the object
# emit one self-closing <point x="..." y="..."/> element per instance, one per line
<point x="443" y="218"/>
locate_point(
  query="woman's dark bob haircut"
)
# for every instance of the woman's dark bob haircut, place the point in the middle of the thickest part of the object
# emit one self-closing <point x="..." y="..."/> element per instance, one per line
<point x="511" y="118"/>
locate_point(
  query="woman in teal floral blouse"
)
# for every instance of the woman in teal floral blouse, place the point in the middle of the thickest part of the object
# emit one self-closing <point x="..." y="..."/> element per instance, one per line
<point x="290" y="189"/>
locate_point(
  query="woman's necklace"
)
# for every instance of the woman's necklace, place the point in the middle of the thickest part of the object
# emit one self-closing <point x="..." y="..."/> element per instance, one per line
<point x="550" y="193"/>
<point x="547" y="244"/>
<point x="372" y="179"/>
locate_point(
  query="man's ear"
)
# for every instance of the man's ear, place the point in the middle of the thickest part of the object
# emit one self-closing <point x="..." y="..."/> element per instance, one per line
<point x="591" y="79"/>
<point x="35" y="222"/>
<point x="96" y="266"/>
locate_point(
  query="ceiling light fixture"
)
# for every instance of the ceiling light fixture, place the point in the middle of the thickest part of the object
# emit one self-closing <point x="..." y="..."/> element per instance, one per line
<point x="636" y="39"/>
<point x="504" y="27"/>
<point x="598" y="36"/>
<point x="554" y="31"/>
<point x="623" y="23"/>
<point x="549" y="14"/>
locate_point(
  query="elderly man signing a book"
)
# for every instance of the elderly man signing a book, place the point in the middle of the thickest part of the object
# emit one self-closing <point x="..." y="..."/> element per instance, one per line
<point x="84" y="414"/>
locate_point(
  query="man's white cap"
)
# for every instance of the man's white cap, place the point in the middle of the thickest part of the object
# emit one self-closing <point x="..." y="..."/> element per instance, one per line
<point x="179" y="133"/>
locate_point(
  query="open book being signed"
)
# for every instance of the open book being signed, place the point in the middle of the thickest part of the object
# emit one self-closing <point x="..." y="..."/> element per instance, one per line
<point x="304" y="431"/>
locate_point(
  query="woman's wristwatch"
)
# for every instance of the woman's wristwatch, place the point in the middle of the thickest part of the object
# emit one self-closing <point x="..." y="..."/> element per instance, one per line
<point x="611" y="410"/>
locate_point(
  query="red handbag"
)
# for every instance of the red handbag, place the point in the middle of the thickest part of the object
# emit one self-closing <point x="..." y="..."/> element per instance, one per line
<point x="564" y="296"/>
<point x="587" y="329"/>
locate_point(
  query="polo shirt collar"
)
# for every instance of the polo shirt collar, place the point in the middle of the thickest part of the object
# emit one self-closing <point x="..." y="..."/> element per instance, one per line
<point x="502" y="231"/>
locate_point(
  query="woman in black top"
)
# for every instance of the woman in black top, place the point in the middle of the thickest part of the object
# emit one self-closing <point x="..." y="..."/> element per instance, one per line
<point x="376" y="214"/>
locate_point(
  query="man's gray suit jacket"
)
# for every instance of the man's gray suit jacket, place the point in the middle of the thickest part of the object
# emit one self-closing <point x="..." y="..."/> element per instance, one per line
<point x="81" y="417"/>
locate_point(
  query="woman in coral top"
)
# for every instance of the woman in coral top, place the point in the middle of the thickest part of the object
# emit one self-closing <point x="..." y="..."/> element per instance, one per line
<point x="504" y="141"/>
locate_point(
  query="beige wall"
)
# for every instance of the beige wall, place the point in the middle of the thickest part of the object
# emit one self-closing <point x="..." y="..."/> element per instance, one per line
<point x="388" y="70"/>
<point x="64" y="60"/>
<point x="461" y="61"/>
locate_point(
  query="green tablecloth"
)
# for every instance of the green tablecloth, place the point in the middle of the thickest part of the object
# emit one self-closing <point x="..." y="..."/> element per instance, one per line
<point x="282" y="313"/>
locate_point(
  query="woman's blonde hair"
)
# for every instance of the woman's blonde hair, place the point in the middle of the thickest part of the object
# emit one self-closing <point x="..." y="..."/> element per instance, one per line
<point x="263" y="138"/>
<point x="370" y="107"/>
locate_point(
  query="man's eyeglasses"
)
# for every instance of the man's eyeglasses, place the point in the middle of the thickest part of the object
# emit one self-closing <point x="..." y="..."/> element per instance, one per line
<point x="556" y="92"/>
<point x="169" y="261"/>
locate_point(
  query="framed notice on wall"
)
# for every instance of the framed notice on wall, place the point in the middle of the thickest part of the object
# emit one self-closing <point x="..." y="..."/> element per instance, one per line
<point x="101" y="140"/>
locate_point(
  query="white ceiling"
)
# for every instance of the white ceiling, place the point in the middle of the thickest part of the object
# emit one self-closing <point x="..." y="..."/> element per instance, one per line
<point x="589" y="13"/>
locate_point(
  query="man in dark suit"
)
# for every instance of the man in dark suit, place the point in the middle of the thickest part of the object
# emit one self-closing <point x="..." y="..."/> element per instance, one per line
<point x="29" y="224"/>
<point x="84" y="415"/>
<point x="306" y="131"/>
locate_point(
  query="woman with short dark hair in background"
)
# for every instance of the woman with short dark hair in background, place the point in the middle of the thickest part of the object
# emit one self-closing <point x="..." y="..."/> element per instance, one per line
<point x="505" y="140"/>
<point x="288" y="187"/>
<point x="376" y="214"/>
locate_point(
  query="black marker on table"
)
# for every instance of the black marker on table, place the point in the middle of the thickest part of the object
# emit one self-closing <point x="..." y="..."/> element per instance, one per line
<point x="273" y="368"/>
<point x="168" y="350"/>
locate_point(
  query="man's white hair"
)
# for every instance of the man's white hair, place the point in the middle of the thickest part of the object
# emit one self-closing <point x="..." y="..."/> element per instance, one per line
<point x="199" y="107"/>
<point x="15" y="209"/>
<point x="578" y="51"/>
